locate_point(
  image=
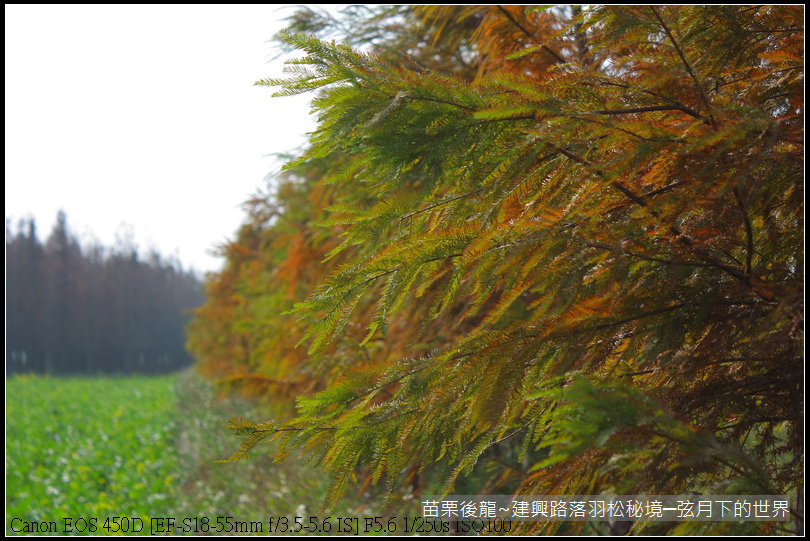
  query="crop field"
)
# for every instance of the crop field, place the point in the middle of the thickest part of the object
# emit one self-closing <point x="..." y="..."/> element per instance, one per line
<point x="140" y="447"/>
<point x="89" y="447"/>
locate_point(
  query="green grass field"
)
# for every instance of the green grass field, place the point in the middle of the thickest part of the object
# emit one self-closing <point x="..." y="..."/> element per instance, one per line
<point x="147" y="447"/>
<point x="142" y="447"/>
<point x="84" y="447"/>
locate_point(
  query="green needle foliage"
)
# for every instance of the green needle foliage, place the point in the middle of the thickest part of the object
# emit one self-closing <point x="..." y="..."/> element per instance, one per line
<point x="578" y="255"/>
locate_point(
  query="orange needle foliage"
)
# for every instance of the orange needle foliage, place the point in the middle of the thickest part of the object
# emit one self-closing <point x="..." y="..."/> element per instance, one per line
<point x="566" y="244"/>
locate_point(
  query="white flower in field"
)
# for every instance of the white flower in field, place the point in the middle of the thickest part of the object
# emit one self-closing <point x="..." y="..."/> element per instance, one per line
<point x="156" y="497"/>
<point x="52" y="490"/>
<point x="301" y="510"/>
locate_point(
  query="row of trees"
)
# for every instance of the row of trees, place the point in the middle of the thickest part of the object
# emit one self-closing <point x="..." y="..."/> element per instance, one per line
<point x="557" y="250"/>
<point x="74" y="309"/>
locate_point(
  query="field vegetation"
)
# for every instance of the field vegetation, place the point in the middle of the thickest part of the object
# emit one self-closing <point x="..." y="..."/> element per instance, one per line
<point x="141" y="447"/>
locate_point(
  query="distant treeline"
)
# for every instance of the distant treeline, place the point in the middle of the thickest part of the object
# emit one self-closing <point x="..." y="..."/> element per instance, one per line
<point x="72" y="309"/>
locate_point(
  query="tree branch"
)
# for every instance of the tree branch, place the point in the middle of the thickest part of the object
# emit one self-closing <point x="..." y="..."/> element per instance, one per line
<point x="682" y="108"/>
<point x="435" y="100"/>
<point x="639" y="373"/>
<point x="640" y="316"/>
<point x="403" y="376"/>
<point x="523" y="29"/>
<point x="748" y="231"/>
<point x="666" y="188"/>
<point x="441" y="203"/>
<point x="679" y="235"/>
<point x="651" y="258"/>
<point x="686" y="64"/>
<point x="628" y="132"/>
<point x="645" y="91"/>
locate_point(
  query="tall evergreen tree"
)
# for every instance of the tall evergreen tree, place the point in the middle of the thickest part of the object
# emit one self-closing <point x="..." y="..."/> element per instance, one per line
<point x="71" y="310"/>
<point x="592" y="247"/>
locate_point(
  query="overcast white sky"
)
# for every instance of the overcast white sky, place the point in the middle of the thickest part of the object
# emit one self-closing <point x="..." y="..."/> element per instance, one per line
<point x="145" y="115"/>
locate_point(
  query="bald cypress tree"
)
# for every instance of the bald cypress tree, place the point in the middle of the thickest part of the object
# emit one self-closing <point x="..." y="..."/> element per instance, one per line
<point x="587" y="245"/>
